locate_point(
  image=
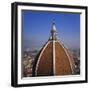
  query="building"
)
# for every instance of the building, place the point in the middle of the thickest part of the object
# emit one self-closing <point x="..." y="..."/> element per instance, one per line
<point x="53" y="58"/>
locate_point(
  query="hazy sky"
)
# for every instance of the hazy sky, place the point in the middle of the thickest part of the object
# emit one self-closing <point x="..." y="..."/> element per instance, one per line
<point x="36" y="27"/>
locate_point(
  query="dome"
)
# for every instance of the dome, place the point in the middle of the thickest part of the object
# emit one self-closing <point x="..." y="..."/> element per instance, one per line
<point x="53" y="59"/>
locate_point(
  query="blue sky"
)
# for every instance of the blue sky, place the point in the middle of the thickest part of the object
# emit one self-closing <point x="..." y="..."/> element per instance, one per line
<point x="36" y="27"/>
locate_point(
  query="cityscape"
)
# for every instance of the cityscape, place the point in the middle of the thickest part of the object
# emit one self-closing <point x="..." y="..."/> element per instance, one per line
<point x="29" y="56"/>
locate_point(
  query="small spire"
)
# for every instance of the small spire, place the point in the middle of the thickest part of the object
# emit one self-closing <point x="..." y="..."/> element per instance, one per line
<point x="53" y="25"/>
<point x="53" y="31"/>
<point x="53" y="21"/>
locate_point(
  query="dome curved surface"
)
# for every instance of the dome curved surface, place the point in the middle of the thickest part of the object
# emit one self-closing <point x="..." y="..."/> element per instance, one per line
<point x="53" y="58"/>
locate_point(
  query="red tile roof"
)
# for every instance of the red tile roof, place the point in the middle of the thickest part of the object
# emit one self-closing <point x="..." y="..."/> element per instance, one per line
<point x="44" y="62"/>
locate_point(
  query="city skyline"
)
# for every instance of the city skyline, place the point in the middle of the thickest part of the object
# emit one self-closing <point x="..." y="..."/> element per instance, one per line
<point x="36" y="27"/>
